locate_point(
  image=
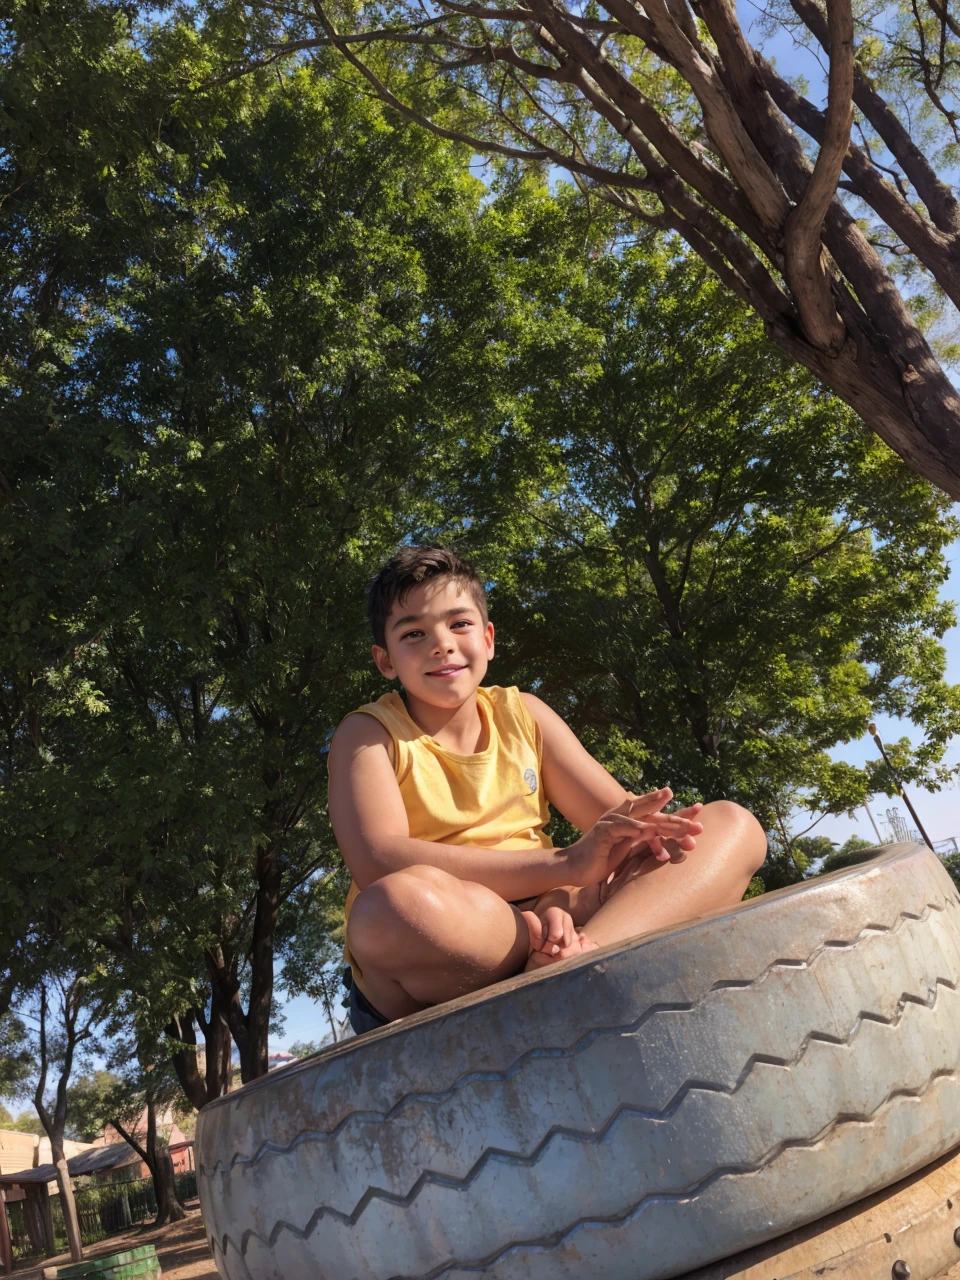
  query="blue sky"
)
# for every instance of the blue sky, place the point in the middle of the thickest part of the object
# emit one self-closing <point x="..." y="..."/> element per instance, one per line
<point x="939" y="812"/>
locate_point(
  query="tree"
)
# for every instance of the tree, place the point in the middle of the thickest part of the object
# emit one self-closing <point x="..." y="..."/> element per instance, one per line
<point x="134" y="1103"/>
<point x="952" y="863"/>
<point x="668" y="112"/>
<point x="305" y="1048"/>
<point x="853" y="851"/>
<point x="304" y="374"/>
<point x="310" y="946"/>
<point x="294" y="331"/>
<point x="64" y="1012"/>
<point x="712" y="585"/>
<point x="28" y="1122"/>
<point x="228" y="401"/>
<point x="16" y="1060"/>
<point x="87" y="1108"/>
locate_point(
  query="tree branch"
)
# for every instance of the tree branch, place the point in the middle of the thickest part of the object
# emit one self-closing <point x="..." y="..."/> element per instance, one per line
<point x="809" y="280"/>
<point x="932" y="247"/>
<point x="390" y="98"/>
<point x="941" y="203"/>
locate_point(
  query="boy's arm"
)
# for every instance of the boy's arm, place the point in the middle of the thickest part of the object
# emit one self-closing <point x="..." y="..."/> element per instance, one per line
<point x="370" y="823"/>
<point x="569" y="771"/>
<point x="371" y="827"/>
<point x="574" y="782"/>
<point x="582" y="790"/>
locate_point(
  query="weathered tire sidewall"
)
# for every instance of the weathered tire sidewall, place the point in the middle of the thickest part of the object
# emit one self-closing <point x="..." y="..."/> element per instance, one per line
<point x="638" y="1112"/>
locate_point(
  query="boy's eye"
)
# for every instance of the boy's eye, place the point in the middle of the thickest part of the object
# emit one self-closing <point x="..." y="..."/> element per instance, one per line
<point x="407" y="634"/>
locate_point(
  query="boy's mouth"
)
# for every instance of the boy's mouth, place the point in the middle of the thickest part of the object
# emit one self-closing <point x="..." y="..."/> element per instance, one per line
<point x="445" y="673"/>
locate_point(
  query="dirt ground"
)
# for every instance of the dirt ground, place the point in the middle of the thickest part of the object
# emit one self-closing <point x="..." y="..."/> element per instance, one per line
<point x="182" y="1249"/>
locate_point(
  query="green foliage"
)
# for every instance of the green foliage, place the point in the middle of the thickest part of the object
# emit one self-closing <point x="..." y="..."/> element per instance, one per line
<point x="305" y="1048"/>
<point x="718" y="578"/>
<point x="952" y="863"/>
<point x="849" y="854"/>
<point x="16" y="1058"/>
<point x="91" y="1105"/>
<point x="250" y="340"/>
<point x="310" y="936"/>
<point x="28" y="1122"/>
<point x="272" y="337"/>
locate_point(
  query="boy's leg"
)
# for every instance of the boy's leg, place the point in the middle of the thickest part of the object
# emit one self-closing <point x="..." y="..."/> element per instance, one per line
<point x="715" y="875"/>
<point x="422" y="936"/>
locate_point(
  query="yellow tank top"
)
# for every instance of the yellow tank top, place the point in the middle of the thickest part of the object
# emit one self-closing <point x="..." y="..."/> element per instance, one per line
<point x="493" y="797"/>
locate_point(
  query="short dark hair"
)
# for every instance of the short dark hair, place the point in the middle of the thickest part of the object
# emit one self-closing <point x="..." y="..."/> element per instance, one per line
<point x="406" y="570"/>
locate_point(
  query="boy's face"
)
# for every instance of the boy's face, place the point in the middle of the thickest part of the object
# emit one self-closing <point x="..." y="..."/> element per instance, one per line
<point x="437" y="644"/>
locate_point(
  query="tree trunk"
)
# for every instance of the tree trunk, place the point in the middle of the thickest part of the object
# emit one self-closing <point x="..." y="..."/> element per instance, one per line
<point x="34" y="1219"/>
<point x="251" y="1030"/>
<point x="169" y="1208"/>
<point x="6" y="1244"/>
<point x="67" y="1203"/>
<point x="156" y="1157"/>
<point x="214" y="1081"/>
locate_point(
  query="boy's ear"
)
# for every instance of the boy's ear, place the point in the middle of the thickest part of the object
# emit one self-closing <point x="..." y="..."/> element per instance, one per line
<point x="488" y="636"/>
<point x="384" y="665"/>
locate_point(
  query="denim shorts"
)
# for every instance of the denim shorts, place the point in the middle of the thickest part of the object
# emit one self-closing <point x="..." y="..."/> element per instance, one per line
<point x="363" y="1016"/>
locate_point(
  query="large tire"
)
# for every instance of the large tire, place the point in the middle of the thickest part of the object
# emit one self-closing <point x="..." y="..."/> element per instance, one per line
<point x="636" y="1113"/>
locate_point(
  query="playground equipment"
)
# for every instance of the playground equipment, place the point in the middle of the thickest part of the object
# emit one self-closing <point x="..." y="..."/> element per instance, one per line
<point x="640" y="1112"/>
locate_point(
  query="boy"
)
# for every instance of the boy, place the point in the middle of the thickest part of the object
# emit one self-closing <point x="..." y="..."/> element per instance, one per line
<point x="438" y="803"/>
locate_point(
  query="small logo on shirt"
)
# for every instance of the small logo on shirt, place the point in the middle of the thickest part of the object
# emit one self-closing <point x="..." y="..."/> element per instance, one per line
<point x="530" y="778"/>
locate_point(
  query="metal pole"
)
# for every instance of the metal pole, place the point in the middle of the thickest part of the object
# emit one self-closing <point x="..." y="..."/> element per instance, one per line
<point x="876" y="829"/>
<point x="872" y="729"/>
<point x="326" y="1001"/>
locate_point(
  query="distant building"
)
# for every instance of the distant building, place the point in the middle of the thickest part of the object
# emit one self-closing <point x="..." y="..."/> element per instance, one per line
<point x="29" y="1151"/>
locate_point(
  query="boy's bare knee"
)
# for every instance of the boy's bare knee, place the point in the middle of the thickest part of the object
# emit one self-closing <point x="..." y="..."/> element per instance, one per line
<point x="750" y="837"/>
<point x="387" y="910"/>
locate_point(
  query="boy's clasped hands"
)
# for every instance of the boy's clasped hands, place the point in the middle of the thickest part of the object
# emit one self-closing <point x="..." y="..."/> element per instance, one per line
<point x="627" y="841"/>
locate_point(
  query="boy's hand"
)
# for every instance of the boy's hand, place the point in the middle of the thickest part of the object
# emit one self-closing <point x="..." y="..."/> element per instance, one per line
<point x="638" y="822"/>
<point x="557" y="931"/>
<point x="553" y="937"/>
<point x="665" y="849"/>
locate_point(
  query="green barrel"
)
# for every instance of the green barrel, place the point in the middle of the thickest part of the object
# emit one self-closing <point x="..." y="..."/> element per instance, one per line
<point x="129" y="1263"/>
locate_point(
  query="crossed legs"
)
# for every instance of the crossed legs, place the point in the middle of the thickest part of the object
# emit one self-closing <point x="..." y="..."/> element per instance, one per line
<point x="422" y="936"/>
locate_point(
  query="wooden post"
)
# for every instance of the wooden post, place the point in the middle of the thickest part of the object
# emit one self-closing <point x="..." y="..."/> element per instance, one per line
<point x="69" y="1207"/>
<point x="6" y="1246"/>
<point x="46" y="1218"/>
<point x="31" y="1216"/>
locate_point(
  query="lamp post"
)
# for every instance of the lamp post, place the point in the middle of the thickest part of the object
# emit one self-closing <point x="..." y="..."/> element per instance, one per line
<point x="872" y="730"/>
<point x="876" y="829"/>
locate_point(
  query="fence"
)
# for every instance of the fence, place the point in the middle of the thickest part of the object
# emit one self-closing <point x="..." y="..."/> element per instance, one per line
<point x="102" y="1210"/>
<point x="20" y="1240"/>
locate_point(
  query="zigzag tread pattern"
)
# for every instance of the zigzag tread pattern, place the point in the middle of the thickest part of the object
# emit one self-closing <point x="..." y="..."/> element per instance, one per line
<point x="596" y="1137"/>
<point x="268" y="1148"/>
<point x="553" y="1239"/>
<point x="550" y="1242"/>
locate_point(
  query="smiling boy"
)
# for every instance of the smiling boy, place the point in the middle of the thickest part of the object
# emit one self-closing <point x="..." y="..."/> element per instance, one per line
<point x="439" y="800"/>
